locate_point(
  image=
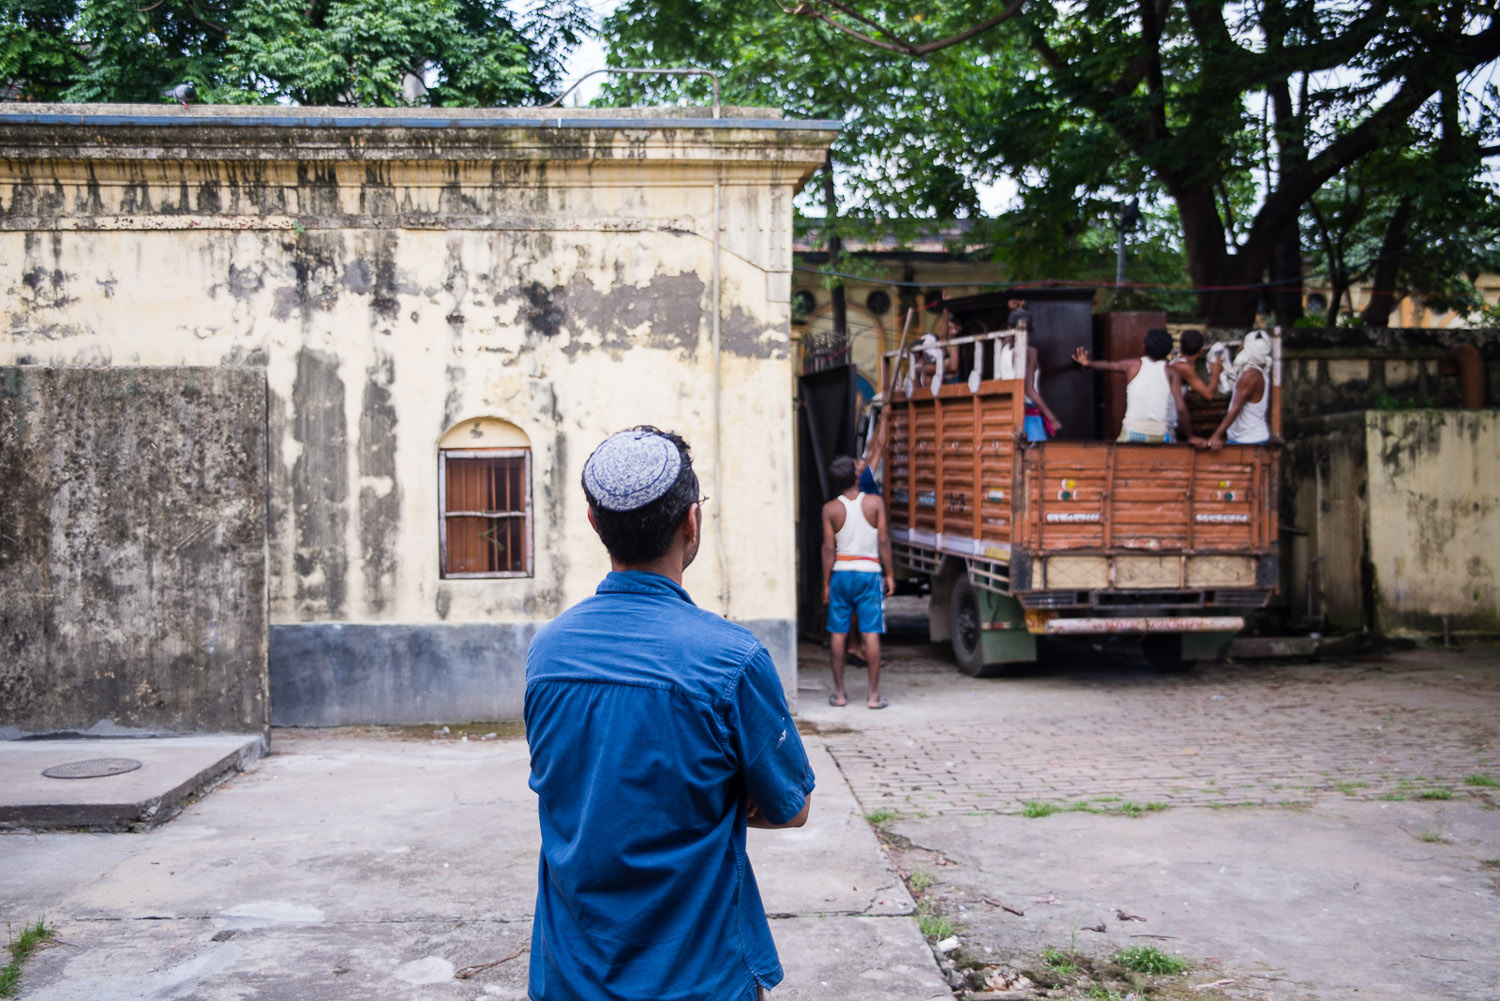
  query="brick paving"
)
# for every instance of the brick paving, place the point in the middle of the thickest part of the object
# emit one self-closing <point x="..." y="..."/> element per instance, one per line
<point x="1116" y="736"/>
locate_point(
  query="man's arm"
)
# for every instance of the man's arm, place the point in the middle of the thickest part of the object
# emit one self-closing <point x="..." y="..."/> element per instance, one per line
<point x="1184" y="420"/>
<point x="757" y="819"/>
<point x="883" y="530"/>
<point x="1034" y="395"/>
<point x="876" y="447"/>
<point x="1130" y="366"/>
<point x="829" y="547"/>
<point x="1244" y="388"/>
<point x="1188" y="369"/>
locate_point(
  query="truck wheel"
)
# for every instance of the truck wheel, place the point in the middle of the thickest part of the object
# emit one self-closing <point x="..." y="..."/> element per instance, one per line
<point x="1164" y="652"/>
<point x="964" y="631"/>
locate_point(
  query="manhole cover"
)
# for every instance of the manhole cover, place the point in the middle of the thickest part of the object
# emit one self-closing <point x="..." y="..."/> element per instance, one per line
<point x="93" y="768"/>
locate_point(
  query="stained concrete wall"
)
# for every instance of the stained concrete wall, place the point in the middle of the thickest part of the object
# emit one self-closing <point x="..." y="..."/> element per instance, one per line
<point x="397" y="273"/>
<point x="133" y="550"/>
<point x="1434" y="520"/>
<point x="1401" y="514"/>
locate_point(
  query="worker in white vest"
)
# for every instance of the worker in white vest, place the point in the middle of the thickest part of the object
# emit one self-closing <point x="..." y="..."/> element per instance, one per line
<point x="1153" y="391"/>
<point x="858" y="574"/>
<point x="1245" y="421"/>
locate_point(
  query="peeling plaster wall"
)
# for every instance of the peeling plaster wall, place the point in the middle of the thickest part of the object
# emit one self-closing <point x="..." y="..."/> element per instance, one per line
<point x="1434" y="529"/>
<point x="387" y="299"/>
<point x="132" y="550"/>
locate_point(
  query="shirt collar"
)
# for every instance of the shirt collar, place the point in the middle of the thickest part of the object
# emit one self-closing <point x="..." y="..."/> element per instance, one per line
<point x="640" y="582"/>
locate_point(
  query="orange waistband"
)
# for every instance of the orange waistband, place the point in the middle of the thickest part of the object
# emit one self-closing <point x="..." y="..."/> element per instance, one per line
<point x="872" y="559"/>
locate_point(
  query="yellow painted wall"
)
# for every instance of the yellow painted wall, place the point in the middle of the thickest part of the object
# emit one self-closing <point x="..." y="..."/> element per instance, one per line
<point x="394" y="283"/>
<point x="1434" y="519"/>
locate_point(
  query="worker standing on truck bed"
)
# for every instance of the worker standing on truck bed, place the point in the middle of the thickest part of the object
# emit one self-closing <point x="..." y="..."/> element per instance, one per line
<point x="858" y="573"/>
<point x="1153" y="392"/>
<point x="1245" y="421"/>
<point x="1040" y="422"/>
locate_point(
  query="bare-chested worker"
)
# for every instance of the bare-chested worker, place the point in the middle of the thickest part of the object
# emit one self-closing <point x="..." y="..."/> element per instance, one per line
<point x="858" y="574"/>
<point x="1189" y="350"/>
<point x="1041" y="423"/>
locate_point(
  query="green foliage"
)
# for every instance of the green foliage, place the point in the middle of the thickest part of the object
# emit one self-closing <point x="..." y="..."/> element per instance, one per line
<point x="1224" y="118"/>
<point x="1039" y="808"/>
<point x="340" y="52"/>
<point x="1435" y="794"/>
<point x="1150" y="959"/>
<point x="1059" y="961"/>
<point x="20" y="946"/>
<point x="1488" y="781"/>
<point x="877" y="817"/>
<point x="919" y="881"/>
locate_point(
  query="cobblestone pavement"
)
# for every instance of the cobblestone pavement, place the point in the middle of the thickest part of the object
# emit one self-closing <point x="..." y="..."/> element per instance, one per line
<point x="1111" y="734"/>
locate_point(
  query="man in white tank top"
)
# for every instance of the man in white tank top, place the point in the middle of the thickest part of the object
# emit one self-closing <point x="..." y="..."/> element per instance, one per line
<point x="1245" y="422"/>
<point x="1153" y="392"/>
<point x="857" y="575"/>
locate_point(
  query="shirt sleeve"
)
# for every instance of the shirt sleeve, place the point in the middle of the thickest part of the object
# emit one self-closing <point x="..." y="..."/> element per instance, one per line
<point x="772" y="758"/>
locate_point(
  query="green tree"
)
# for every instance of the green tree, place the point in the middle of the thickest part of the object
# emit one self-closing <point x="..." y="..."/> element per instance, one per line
<point x="1232" y="114"/>
<point x="356" y="52"/>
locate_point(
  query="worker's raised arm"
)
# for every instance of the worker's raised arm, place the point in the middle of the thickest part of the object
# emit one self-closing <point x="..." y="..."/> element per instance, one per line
<point x="1130" y="366"/>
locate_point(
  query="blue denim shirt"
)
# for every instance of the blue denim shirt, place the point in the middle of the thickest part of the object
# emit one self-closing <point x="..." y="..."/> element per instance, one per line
<point x="651" y="722"/>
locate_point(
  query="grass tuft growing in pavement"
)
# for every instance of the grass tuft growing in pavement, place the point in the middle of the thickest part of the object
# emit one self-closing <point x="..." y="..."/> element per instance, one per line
<point x="1431" y="835"/>
<point x="21" y="946"/>
<point x="935" y="927"/>
<point x="1039" y="808"/>
<point x="1150" y="959"/>
<point x="1435" y="794"/>
<point x="919" y="881"/>
<point x="1059" y="961"/>
<point x="877" y="817"/>
<point x="1481" y="780"/>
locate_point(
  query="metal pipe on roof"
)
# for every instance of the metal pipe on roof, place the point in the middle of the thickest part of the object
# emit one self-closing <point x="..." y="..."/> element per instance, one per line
<point x="641" y="71"/>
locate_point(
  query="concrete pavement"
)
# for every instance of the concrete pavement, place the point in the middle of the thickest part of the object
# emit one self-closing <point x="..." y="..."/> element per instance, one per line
<point x="360" y="867"/>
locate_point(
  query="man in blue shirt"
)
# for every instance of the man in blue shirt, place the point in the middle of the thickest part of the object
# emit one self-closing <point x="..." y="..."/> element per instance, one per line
<point x="658" y="732"/>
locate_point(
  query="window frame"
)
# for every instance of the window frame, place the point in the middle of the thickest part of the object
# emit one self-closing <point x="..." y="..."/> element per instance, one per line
<point x="444" y="454"/>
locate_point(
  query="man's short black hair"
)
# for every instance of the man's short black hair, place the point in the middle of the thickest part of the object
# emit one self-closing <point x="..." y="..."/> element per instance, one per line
<point x="645" y="534"/>
<point x="841" y="475"/>
<point x="1191" y="342"/>
<point x="1158" y="343"/>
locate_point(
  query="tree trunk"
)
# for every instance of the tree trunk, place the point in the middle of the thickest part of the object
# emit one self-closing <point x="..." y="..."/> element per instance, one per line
<point x="1383" y="294"/>
<point x="1286" y="257"/>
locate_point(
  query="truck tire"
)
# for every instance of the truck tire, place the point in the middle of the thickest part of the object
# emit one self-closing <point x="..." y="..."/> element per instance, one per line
<point x="1164" y="652"/>
<point x="964" y="632"/>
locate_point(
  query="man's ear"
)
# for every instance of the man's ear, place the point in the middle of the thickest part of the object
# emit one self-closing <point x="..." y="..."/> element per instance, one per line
<point x="592" y="523"/>
<point x="692" y="524"/>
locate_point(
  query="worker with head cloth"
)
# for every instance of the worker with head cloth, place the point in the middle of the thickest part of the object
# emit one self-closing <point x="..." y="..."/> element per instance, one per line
<point x="658" y="732"/>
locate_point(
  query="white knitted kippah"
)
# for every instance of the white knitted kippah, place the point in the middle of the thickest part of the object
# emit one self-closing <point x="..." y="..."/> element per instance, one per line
<point x="631" y="469"/>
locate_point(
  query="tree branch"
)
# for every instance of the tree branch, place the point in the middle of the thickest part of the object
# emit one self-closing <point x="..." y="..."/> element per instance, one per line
<point x="1298" y="185"/>
<point x="813" y="9"/>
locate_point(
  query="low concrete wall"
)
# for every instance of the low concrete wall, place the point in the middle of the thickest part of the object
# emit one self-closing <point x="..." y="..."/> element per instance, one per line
<point x="1434" y="520"/>
<point x="133" y="550"/>
<point x="1400" y="515"/>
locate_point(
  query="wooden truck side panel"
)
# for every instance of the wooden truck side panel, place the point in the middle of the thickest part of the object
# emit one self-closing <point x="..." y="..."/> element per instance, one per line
<point x="1078" y="516"/>
<point x="952" y="460"/>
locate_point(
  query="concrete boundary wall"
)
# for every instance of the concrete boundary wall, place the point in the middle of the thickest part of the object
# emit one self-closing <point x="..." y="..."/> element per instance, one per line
<point x="133" y="550"/>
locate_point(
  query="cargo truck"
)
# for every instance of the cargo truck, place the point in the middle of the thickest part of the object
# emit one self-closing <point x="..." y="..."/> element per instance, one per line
<point x="1023" y="541"/>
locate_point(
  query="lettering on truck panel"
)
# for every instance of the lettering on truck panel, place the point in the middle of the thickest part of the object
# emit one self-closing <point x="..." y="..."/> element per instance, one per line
<point x="1223" y="519"/>
<point x="1055" y="517"/>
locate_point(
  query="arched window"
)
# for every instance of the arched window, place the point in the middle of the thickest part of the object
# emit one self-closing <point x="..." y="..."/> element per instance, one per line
<point x="484" y="494"/>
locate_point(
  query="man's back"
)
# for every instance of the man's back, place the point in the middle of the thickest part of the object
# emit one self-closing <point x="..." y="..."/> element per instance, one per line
<point x="652" y="723"/>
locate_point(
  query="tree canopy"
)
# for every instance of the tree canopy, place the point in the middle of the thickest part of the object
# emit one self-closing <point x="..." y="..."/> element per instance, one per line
<point x="1227" y="116"/>
<point x="356" y="52"/>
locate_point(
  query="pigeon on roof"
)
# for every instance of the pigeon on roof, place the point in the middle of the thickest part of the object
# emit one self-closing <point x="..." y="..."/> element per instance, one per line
<point x="184" y="93"/>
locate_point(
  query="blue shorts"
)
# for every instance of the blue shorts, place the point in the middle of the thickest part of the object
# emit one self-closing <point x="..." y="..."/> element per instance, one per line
<point x="856" y="591"/>
<point x="1035" y="428"/>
